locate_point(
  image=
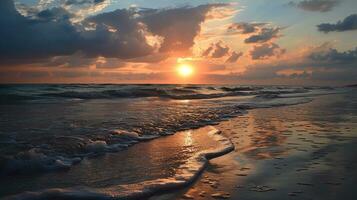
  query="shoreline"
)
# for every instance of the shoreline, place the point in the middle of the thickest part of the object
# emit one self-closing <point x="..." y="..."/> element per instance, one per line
<point x="291" y="152"/>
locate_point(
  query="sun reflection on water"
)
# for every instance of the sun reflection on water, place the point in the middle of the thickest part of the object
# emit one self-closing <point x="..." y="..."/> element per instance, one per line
<point x="188" y="139"/>
<point x="184" y="101"/>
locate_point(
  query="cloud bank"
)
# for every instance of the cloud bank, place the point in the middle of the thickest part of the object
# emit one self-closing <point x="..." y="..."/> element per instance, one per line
<point x="347" y="24"/>
<point x="123" y="33"/>
<point x="315" y="5"/>
<point x="266" y="50"/>
<point x="265" y="35"/>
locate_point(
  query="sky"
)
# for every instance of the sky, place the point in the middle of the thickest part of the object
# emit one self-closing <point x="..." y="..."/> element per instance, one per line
<point x="279" y="42"/>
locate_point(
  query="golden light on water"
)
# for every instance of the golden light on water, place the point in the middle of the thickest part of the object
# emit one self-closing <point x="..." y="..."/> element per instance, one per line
<point x="185" y="70"/>
<point x="188" y="139"/>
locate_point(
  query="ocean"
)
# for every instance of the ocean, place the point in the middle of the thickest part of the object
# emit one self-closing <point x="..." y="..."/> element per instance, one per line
<point x="95" y="135"/>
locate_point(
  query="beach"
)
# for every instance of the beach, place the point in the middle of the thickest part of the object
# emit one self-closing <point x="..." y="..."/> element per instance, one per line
<point x="303" y="151"/>
<point x="285" y="145"/>
<point x="178" y="99"/>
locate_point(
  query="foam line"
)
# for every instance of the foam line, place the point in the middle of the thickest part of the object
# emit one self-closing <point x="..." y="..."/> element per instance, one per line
<point x="185" y="174"/>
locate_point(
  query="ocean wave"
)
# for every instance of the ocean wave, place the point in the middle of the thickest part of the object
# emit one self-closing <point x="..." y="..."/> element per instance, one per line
<point x="34" y="160"/>
<point x="14" y="98"/>
<point x="185" y="174"/>
<point x="74" y="149"/>
<point x="171" y="94"/>
<point x="12" y="94"/>
<point x="242" y="88"/>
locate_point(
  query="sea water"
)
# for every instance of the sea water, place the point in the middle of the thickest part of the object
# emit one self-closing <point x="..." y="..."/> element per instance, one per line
<point x="51" y="130"/>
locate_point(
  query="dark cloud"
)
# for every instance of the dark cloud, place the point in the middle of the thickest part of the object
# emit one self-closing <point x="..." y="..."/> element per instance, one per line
<point x="123" y="33"/>
<point x="27" y="39"/>
<point x="265" y="35"/>
<point x="54" y="14"/>
<point x="268" y="76"/>
<point x="265" y="51"/>
<point x="220" y="51"/>
<point x="153" y="58"/>
<point x="245" y="28"/>
<point x="318" y="65"/>
<point x="234" y="57"/>
<point x="303" y="75"/>
<point x="77" y="60"/>
<point x="216" y="50"/>
<point x="177" y="26"/>
<point x="316" y="5"/>
<point x="349" y="23"/>
<point x="81" y="2"/>
<point x="333" y="57"/>
<point x="208" y="51"/>
<point x="117" y="34"/>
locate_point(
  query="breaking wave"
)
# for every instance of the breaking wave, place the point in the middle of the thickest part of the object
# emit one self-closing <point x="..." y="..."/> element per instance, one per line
<point x="185" y="174"/>
<point x="11" y="94"/>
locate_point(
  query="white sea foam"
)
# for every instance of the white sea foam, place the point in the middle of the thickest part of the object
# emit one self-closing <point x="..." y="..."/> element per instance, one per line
<point x="185" y="174"/>
<point x="35" y="161"/>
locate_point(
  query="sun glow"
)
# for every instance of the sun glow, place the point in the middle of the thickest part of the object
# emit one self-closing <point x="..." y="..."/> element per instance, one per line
<point x="185" y="70"/>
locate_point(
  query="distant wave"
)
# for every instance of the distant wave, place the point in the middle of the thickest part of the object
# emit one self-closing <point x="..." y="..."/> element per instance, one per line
<point x="175" y="93"/>
<point x="138" y="93"/>
<point x="185" y="174"/>
<point x="12" y="94"/>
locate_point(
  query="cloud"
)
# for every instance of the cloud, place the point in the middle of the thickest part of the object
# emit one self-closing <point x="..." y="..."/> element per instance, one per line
<point x="117" y="34"/>
<point x="220" y="51"/>
<point x="54" y="14"/>
<point x="122" y="34"/>
<point x="208" y="51"/>
<point x="84" y="8"/>
<point x="234" y="57"/>
<point x="265" y="51"/>
<point x="178" y="26"/>
<point x="294" y="73"/>
<point x="333" y="57"/>
<point x="80" y="9"/>
<point x="28" y="39"/>
<point x="52" y="34"/>
<point x="216" y="50"/>
<point x="265" y="35"/>
<point x="244" y="27"/>
<point x="348" y="24"/>
<point x="316" y="5"/>
<point x="316" y="63"/>
<point x="81" y="2"/>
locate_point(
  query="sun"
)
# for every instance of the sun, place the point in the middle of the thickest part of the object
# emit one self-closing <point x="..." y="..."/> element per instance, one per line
<point x="185" y="70"/>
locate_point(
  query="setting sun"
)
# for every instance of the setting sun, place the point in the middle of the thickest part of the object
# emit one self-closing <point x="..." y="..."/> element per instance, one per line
<point x="185" y="70"/>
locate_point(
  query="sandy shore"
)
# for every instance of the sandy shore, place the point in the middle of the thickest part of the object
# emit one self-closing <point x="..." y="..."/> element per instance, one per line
<point x="304" y="151"/>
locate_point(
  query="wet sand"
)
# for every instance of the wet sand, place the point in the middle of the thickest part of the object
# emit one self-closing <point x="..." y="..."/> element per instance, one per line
<point x="304" y="151"/>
